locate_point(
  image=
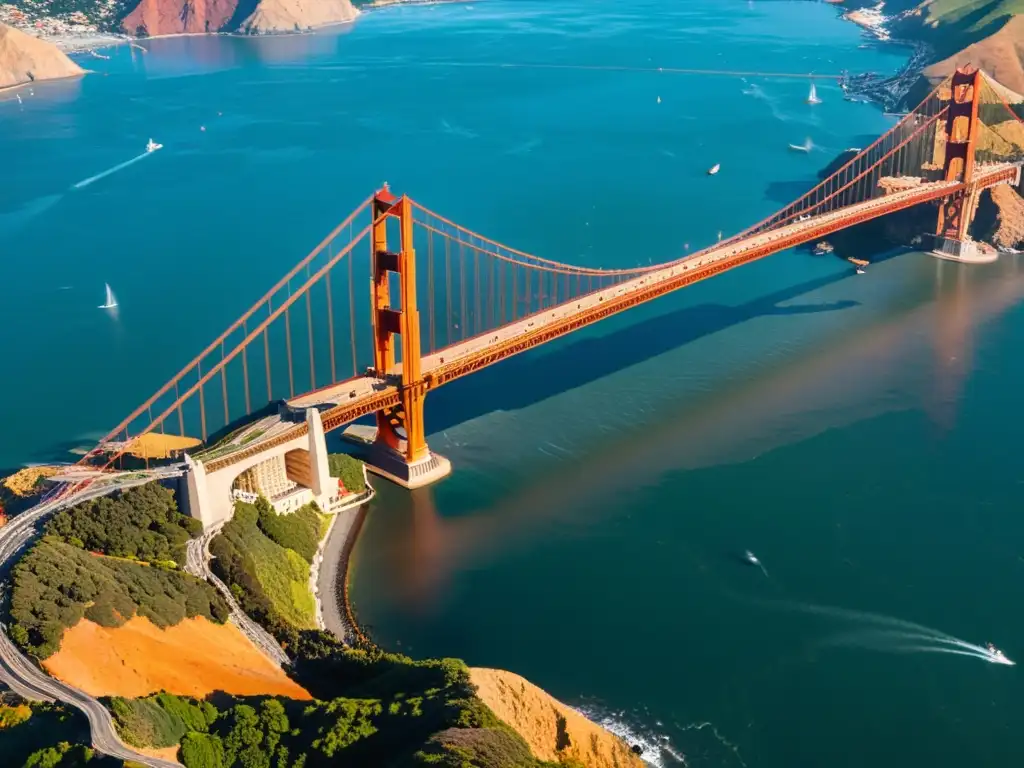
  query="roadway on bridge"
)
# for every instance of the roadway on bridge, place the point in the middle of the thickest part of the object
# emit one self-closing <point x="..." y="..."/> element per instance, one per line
<point x="20" y="673"/>
<point x="355" y="397"/>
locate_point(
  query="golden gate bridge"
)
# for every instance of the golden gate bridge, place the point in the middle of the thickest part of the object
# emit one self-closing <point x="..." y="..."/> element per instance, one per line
<point x="318" y="351"/>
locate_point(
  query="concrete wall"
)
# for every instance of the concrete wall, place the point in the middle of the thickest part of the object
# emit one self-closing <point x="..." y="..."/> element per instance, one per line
<point x="208" y="496"/>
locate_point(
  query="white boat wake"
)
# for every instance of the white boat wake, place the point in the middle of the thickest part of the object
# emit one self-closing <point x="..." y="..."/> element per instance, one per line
<point x="891" y="635"/>
<point x="109" y="171"/>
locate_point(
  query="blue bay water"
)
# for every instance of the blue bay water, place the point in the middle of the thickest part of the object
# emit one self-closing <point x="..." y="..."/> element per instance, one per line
<point x="856" y="432"/>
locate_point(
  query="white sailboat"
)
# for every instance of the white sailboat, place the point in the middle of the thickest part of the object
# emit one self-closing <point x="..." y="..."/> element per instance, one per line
<point x="111" y="301"/>
<point x="152" y="146"/>
<point x="812" y="97"/>
<point x="807" y="146"/>
<point x="714" y="169"/>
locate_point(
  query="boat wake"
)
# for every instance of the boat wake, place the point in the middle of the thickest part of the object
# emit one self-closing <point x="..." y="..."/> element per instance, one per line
<point x="891" y="635"/>
<point x="109" y="171"/>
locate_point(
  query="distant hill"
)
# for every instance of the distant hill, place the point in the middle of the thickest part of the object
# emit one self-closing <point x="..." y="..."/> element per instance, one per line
<point x="1001" y="55"/>
<point x="951" y="26"/>
<point x="26" y="59"/>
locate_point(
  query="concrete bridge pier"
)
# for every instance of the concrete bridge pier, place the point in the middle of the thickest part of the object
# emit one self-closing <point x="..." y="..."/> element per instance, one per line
<point x="392" y="464"/>
<point x="966" y="251"/>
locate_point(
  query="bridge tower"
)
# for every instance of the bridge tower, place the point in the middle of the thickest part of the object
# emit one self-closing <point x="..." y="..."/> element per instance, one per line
<point x="400" y="450"/>
<point x="956" y="212"/>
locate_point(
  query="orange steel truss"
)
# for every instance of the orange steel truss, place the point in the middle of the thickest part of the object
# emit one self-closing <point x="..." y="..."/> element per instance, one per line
<point x="956" y="211"/>
<point x="482" y="286"/>
<point x="403" y="321"/>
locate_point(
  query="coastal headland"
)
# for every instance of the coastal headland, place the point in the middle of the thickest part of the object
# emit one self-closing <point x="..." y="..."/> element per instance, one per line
<point x="173" y="661"/>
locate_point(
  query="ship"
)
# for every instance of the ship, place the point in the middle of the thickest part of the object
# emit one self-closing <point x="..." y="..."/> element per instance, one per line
<point x="812" y="97"/>
<point x="823" y="248"/>
<point x="714" y="169"/>
<point x="152" y="146"/>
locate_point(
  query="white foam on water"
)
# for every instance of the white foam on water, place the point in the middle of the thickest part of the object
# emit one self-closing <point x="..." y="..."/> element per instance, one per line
<point x="658" y="750"/>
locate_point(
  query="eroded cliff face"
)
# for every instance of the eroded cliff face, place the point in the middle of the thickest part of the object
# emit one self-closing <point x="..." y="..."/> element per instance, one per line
<point x="273" y="16"/>
<point x="552" y="729"/>
<point x="174" y="17"/>
<point x="1000" y="217"/>
<point x="25" y="59"/>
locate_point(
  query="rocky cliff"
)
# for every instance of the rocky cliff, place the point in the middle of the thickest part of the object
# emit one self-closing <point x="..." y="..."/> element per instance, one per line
<point x="554" y="731"/>
<point x="273" y="16"/>
<point x="174" y="17"/>
<point x="26" y="59"/>
<point x="1000" y="217"/>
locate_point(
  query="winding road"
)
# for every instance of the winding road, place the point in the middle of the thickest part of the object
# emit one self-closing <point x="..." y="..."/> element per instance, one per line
<point x="197" y="563"/>
<point x="20" y="673"/>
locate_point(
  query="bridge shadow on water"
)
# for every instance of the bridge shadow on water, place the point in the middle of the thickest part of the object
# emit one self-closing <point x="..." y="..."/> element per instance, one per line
<point x="530" y="378"/>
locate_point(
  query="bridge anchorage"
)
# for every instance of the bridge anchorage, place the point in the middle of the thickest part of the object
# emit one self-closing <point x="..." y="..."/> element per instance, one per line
<point x="252" y="413"/>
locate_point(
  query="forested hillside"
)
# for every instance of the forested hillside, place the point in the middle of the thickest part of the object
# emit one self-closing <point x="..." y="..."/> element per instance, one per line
<point x="143" y="523"/>
<point x="264" y="558"/>
<point x="374" y="709"/>
<point x="60" y="581"/>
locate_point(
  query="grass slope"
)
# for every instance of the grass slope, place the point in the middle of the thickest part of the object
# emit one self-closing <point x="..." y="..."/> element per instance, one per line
<point x="265" y="559"/>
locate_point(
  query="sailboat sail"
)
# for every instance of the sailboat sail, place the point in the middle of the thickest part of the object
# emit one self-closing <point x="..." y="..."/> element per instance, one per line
<point x="111" y="301"/>
<point x="812" y="97"/>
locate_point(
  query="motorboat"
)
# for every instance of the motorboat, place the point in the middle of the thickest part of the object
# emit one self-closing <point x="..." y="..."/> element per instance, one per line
<point x="714" y="169"/>
<point x="860" y="270"/>
<point x="807" y="146"/>
<point x="152" y="146"/>
<point x="753" y="560"/>
<point x="998" y="657"/>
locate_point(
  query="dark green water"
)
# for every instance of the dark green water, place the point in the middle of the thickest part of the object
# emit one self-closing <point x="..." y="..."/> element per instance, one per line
<point x="867" y="455"/>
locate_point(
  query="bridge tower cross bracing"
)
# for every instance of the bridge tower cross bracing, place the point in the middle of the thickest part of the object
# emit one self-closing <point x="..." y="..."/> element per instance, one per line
<point x="956" y="212"/>
<point x="400" y="450"/>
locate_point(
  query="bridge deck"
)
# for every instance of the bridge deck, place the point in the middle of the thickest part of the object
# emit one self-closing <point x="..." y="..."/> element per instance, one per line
<point x="348" y="400"/>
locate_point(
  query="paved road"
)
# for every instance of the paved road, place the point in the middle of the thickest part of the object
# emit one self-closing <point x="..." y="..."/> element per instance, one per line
<point x="197" y="563"/>
<point x="22" y="675"/>
<point x="447" y="363"/>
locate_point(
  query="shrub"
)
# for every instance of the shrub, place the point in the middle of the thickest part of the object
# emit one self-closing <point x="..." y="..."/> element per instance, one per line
<point x="162" y="720"/>
<point x="270" y="577"/>
<point x="299" y="531"/>
<point x="477" y="748"/>
<point x="347" y="469"/>
<point x="13" y="715"/>
<point x="201" y="750"/>
<point x="388" y="709"/>
<point x="56" y="585"/>
<point x="142" y="523"/>
<point x="145" y="723"/>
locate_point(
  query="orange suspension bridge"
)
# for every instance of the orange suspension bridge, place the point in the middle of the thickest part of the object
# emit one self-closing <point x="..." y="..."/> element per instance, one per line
<point x="318" y="351"/>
